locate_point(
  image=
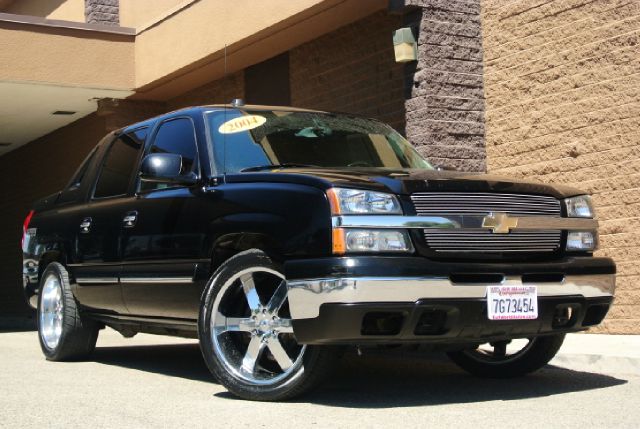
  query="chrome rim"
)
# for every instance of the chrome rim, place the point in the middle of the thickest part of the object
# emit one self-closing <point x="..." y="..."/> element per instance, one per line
<point x="501" y="351"/>
<point x="251" y="328"/>
<point x="51" y="311"/>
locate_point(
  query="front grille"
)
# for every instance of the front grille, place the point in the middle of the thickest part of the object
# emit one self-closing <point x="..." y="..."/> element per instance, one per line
<point x="474" y="239"/>
<point x="483" y="240"/>
<point x="460" y="203"/>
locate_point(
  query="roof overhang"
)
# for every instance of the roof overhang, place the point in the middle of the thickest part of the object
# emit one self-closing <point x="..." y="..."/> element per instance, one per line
<point x="251" y="33"/>
<point x="49" y="66"/>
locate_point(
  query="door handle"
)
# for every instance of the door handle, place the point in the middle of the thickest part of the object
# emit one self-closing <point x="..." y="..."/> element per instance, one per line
<point x="129" y="220"/>
<point x="85" y="225"/>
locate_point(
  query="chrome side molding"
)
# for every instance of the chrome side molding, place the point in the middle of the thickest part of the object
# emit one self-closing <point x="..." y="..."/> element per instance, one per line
<point x="158" y="280"/>
<point x="133" y="280"/>
<point x="96" y="280"/>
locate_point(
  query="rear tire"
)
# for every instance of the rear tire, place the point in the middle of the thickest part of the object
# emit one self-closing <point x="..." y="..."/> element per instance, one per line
<point x="498" y="364"/>
<point x="63" y="333"/>
<point x="246" y="335"/>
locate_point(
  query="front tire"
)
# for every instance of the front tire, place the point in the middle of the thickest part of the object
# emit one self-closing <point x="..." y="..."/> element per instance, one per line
<point x="63" y="333"/>
<point x="246" y="336"/>
<point x="497" y="361"/>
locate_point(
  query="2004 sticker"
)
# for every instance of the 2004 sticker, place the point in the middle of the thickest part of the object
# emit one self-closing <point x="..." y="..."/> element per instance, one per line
<point x="241" y="123"/>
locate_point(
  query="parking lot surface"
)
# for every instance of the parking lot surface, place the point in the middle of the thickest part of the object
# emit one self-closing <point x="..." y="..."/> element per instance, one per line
<point x="151" y="381"/>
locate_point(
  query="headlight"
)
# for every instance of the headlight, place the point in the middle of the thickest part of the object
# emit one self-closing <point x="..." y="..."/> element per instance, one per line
<point x="579" y="206"/>
<point x="370" y="240"/>
<point x="356" y="201"/>
<point x="582" y="240"/>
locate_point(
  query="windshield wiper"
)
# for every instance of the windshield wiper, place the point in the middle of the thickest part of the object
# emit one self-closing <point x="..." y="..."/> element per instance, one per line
<point x="273" y="166"/>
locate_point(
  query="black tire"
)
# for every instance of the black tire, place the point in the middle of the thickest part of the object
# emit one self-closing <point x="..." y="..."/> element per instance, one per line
<point x="536" y="354"/>
<point x="311" y="366"/>
<point x="78" y="335"/>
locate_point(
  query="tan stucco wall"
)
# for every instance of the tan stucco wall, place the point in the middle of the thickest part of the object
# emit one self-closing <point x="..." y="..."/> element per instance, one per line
<point x="194" y="38"/>
<point x="562" y="87"/>
<point x="136" y="13"/>
<point x="67" y="10"/>
<point x="31" y="53"/>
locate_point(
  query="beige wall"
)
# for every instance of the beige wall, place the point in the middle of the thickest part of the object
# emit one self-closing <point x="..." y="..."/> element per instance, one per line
<point x="562" y="87"/>
<point x="186" y="51"/>
<point x="65" y="57"/>
<point x="67" y="10"/>
<point x="137" y="13"/>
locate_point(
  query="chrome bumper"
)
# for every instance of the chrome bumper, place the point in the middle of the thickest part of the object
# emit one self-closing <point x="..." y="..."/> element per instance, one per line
<point x="306" y="296"/>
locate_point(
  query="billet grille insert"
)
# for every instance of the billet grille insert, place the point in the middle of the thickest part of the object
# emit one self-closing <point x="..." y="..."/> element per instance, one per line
<point x="457" y="205"/>
<point x="460" y="203"/>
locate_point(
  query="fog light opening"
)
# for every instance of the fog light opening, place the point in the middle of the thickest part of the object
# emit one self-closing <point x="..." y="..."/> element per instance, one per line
<point x="432" y="322"/>
<point x="565" y="316"/>
<point x="595" y="314"/>
<point x="382" y="323"/>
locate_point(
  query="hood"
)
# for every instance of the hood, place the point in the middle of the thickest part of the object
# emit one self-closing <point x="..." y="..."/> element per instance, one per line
<point x="403" y="181"/>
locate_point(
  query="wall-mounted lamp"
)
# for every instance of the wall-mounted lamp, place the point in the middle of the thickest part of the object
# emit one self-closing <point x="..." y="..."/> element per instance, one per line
<point x="404" y="45"/>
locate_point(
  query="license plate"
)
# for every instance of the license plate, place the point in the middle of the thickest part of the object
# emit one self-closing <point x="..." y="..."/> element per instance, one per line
<point x="512" y="302"/>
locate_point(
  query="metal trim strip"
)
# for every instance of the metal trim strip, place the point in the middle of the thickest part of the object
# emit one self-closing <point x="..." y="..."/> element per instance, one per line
<point x="440" y="222"/>
<point x="158" y="280"/>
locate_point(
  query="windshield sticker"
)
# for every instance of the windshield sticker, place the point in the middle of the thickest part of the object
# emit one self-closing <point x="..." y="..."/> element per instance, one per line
<point x="241" y="123"/>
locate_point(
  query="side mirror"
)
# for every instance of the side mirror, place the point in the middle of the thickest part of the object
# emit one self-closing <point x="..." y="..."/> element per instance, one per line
<point x="165" y="168"/>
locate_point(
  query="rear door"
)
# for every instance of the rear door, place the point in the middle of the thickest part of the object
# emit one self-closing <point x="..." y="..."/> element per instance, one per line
<point x="97" y="254"/>
<point x="162" y="244"/>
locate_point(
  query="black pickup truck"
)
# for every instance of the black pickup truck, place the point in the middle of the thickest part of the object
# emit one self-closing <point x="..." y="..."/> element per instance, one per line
<point x="277" y="236"/>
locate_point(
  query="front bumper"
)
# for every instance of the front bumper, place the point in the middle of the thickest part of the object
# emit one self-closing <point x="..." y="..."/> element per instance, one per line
<point x="349" y="300"/>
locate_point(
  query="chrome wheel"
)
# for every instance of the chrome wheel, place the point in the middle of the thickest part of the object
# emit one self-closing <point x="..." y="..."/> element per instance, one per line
<point x="251" y="328"/>
<point x="501" y="351"/>
<point x="51" y="311"/>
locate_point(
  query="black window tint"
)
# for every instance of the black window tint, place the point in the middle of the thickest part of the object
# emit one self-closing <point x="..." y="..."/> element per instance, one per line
<point x="175" y="136"/>
<point x="118" y="167"/>
<point x="82" y="170"/>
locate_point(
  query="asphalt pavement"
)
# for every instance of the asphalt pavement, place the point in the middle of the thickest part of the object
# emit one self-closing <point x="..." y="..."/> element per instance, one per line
<point x="152" y="381"/>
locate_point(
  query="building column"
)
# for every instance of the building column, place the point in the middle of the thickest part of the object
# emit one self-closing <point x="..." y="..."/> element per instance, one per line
<point x="444" y="91"/>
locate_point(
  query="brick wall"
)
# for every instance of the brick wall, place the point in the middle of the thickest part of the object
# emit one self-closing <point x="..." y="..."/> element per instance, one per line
<point x="351" y="70"/>
<point x="445" y="102"/>
<point x="29" y="173"/>
<point x="221" y="91"/>
<point x="562" y="84"/>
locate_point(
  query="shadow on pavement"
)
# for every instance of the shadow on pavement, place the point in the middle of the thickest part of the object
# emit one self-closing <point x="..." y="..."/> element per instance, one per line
<point x="395" y="379"/>
<point x="380" y="379"/>
<point x="174" y="360"/>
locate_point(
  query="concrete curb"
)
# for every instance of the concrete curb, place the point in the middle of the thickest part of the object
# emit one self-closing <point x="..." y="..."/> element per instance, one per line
<point x="598" y="364"/>
<point x="616" y="354"/>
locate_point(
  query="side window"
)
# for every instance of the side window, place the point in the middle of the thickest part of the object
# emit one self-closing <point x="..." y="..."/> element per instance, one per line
<point x="82" y="170"/>
<point x="175" y="136"/>
<point x="118" y="165"/>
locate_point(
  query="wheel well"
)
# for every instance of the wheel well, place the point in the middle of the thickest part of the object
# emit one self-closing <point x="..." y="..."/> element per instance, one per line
<point x="47" y="258"/>
<point x="231" y="244"/>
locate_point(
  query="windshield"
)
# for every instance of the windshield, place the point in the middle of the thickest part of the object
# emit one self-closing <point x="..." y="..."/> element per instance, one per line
<point x="250" y="140"/>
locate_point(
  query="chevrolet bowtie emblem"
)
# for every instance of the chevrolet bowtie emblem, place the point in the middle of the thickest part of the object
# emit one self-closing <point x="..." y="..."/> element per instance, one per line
<point x="500" y="223"/>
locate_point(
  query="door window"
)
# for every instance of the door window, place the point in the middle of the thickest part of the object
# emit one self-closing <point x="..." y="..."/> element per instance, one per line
<point x="175" y="136"/>
<point x="118" y="165"/>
